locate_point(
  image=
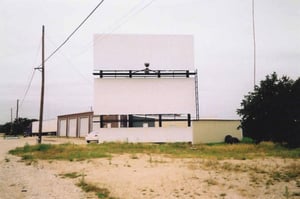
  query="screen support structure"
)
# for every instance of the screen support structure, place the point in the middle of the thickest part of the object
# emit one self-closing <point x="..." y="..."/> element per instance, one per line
<point x="196" y="95"/>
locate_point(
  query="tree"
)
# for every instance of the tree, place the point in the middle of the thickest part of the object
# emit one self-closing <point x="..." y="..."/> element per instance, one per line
<point x="19" y="126"/>
<point x="5" y="128"/>
<point x="272" y="111"/>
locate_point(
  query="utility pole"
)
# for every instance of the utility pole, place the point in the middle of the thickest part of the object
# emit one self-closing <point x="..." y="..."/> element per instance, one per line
<point x="42" y="88"/>
<point x="17" y="118"/>
<point x="17" y="111"/>
<point x="11" y="120"/>
<point x="11" y="115"/>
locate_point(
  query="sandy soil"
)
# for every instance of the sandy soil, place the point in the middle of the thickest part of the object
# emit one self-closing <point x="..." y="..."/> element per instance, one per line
<point x="145" y="176"/>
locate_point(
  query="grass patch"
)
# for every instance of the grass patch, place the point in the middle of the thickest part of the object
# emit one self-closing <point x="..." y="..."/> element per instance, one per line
<point x="286" y="193"/>
<point x="211" y="181"/>
<point x="28" y="159"/>
<point x="71" y="175"/>
<point x="74" y="152"/>
<point x="67" y="151"/>
<point x="100" y="192"/>
<point x="288" y="173"/>
<point x="134" y="156"/>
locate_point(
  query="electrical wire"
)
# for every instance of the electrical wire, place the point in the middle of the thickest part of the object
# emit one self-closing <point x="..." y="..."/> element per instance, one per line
<point x="133" y="10"/>
<point x="122" y="22"/>
<point x="118" y="23"/>
<point x="31" y="76"/>
<point x="76" y="29"/>
<point x="72" y="66"/>
<point x="125" y="21"/>
<point x="27" y="89"/>
<point x="58" y="48"/>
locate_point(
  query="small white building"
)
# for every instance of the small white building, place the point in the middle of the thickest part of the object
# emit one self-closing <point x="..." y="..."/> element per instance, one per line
<point x="74" y="125"/>
<point x="49" y="127"/>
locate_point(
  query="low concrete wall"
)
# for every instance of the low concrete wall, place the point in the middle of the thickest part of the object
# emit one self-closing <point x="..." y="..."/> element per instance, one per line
<point x="146" y="134"/>
<point x="214" y="131"/>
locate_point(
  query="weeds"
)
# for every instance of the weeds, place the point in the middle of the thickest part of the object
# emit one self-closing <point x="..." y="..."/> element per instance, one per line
<point x="288" y="173"/>
<point x="296" y="194"/>
<point x="211" y="181"/>
<point x="155" y="161"/>
<point x="74" y="152"/>
<point x="150" y="158"/>
<point x="109" y="160"/>
<point x="223" y="195"/>
<point x="71" y="175"/>
<point x="67" y="151"/>
<point x="211" y="164"/>
<point x="258" y="174"/>
<point x="26" y="148"/>
<point x="43" y="147"/>
<point x="134" y="157"/>
<point x="286" y="193"/>
<point x="29" y="159"/>
<point x="100" y="192"/>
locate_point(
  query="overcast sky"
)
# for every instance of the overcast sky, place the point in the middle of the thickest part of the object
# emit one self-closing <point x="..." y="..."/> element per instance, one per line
<point x="222" y="33"/>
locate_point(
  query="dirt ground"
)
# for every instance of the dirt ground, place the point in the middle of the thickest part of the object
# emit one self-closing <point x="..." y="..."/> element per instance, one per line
<point x="145" y="176"/>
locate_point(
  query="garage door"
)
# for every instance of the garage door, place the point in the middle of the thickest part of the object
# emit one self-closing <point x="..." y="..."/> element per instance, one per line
<point x="83" y="126"/>
<point x="72" y="127"/>
<point x="63" y="128"/>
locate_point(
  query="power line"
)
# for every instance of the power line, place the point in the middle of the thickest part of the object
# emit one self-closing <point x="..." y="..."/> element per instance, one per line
<point x="27" y="89"/>
<point x="73" y="67"/>
<point x="67" y="39"/>
<point x="126" y="20"/>
<point x="135" y="10"/>
<point x="31" y="76"/>
<point x="57" y="49"/>
<point x="118" y="23"/>
<point x="121" y="22"/>
<point x="128" y="15"/>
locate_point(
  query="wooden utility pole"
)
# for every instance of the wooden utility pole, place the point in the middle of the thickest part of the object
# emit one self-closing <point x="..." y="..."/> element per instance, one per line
<point x="17" y="111"/>
<point x="11" y="115"/>
<point x="42" y="88"/>
<point x="17" y="118"/>
<point x="11" y="120"/>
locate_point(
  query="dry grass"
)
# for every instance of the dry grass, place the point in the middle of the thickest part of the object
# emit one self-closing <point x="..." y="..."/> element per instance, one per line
<point x="88" y="187"/>
<point x="220" y="163"/>
<point x="258" y="174"/>
<point x="71" y="175"/>
<point x="179" y="150"/>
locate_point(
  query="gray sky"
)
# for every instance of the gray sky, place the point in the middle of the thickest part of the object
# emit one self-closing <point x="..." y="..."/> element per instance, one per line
<point x="223" y="47"/>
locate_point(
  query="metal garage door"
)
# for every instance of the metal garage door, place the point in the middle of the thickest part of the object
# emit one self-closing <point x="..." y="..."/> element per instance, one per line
<point x="83" y="126"/>
<point x="72" y="127"/>
<point x="63" y="128"/>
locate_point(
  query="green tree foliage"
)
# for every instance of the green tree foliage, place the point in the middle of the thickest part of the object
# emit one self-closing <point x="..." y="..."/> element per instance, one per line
<point x="272" y="111"/>
<point x="19" y="126"/>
